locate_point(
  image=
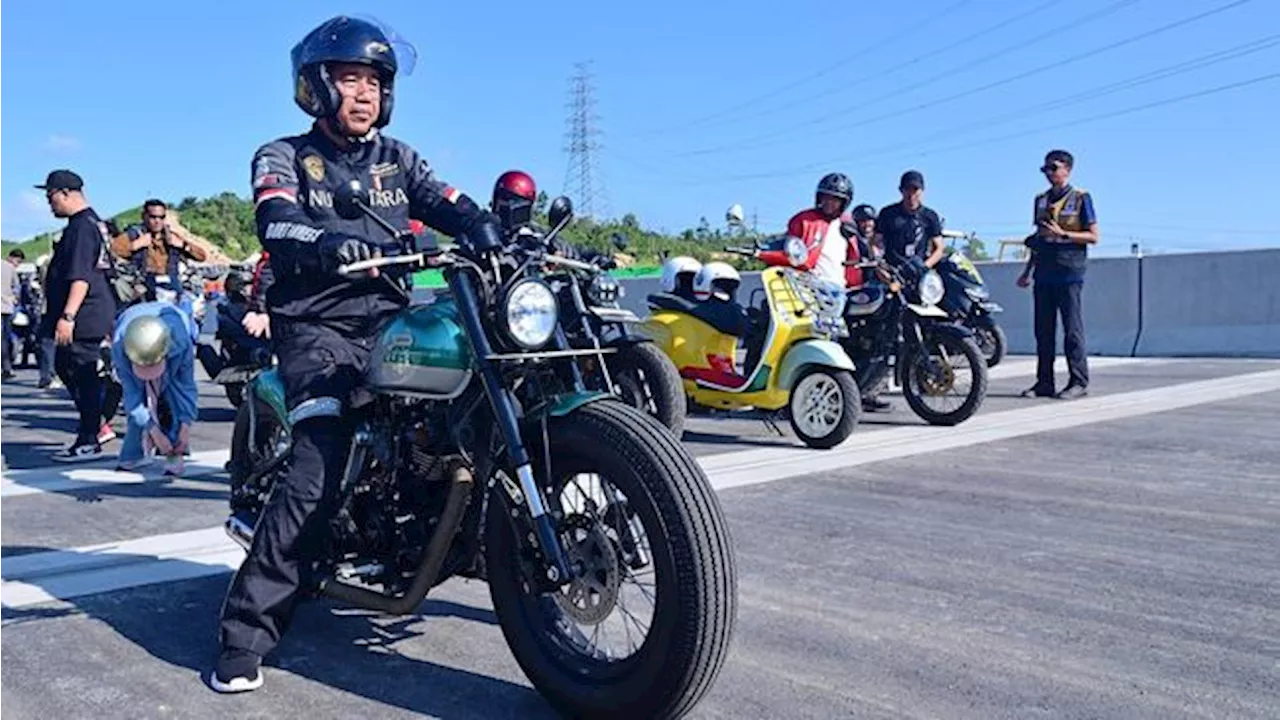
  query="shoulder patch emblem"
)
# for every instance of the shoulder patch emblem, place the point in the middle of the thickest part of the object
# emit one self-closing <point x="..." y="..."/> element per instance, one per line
<point x="314" y="166"/>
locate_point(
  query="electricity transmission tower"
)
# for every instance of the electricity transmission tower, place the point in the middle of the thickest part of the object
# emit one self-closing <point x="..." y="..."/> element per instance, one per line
<point x="582" y="181"/>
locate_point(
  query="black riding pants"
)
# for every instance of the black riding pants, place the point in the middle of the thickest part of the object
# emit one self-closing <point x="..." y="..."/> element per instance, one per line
<point x="320" y="367"/>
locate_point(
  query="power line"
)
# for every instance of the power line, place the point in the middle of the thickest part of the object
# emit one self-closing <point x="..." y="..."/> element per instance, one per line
<point x="1056" y="65"/>
<point x="896" y="68"/>
<point x="891" y="41"/>
<point x="1089" y="93"/>
<point x="583" y="174"/>
<point x="759" y="140"/>
<point x="1033" y="131"/>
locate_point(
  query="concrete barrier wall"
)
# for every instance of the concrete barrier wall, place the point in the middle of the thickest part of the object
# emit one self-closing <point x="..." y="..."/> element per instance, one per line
<point x="1211" y="304"/>
<point x="1223" y="304"/>
<point x="1110" y="306"/>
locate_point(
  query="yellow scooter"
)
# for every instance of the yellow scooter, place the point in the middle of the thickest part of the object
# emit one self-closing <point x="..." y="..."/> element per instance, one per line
<point x="792" y="360"/>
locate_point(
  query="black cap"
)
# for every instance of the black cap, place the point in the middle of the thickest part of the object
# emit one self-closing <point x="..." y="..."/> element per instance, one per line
<point x="911" y="178"/>
<point x="62" y="180"/>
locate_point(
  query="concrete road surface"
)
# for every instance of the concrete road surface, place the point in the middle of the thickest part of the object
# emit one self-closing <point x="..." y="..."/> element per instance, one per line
<point x="1112" y="557"/>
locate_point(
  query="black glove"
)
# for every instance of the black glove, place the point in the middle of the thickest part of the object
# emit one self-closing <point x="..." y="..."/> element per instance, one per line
<point x="484" y="235"/>
<point x="338" y="250"/>
<point x="848" y="230"/>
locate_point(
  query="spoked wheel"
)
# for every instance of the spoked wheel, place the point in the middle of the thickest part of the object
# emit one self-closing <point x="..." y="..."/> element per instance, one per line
<point x="947" y="385"/>
<point x="824" y="407"/>
<point x="644" y="627"/>
<point x="648" y="380"/>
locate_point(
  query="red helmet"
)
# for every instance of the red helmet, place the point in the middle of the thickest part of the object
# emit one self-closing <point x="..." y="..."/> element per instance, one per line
<point x="513" y="198"/>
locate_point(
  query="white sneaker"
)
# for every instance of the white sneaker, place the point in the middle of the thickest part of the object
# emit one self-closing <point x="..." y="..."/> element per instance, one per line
<point x="79" y="453"/>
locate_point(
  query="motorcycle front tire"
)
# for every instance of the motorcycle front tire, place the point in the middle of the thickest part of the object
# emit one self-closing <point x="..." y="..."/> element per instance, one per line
<point x="689" y="547"/>
<point x="635" y="366"/>
<point x="977" y="390"/>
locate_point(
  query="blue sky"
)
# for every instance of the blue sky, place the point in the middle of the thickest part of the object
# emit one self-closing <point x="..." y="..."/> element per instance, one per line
<point x="701" y="104"/>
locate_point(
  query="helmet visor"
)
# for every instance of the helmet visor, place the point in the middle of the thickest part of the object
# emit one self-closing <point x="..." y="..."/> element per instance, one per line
<point x="406" y="53"/>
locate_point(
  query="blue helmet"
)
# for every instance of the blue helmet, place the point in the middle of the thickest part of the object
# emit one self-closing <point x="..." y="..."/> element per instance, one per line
<point x="345" y="40"/>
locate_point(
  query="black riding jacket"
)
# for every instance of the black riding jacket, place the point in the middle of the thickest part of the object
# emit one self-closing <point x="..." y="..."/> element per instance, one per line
<point x="294" y="179"/>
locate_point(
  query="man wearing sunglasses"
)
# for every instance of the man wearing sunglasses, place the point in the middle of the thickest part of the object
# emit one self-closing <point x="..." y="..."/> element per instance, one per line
<point x="1066" y="226"/>
<point x="155" y="247"/>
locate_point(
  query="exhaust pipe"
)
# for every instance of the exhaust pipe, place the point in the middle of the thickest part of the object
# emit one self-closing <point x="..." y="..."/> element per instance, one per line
<point x="432" y="560"/>
<point x="240" y="531"/>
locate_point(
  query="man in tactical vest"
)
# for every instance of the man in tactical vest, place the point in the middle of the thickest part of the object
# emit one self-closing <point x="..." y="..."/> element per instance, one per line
<point x="1065" y="227"/>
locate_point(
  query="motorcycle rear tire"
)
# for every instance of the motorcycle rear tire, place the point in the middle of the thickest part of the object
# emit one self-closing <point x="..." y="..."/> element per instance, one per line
<point x="694" y="571"/>
<point x="665" y="385"/>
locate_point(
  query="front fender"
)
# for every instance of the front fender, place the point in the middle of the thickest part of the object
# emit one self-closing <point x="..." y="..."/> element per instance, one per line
<point x="626" y="338"/>
<point x="811" y="352"/>
<point x="955" y="330"/>
<point x="268" y="387"/>
<point x="562" y="405"/>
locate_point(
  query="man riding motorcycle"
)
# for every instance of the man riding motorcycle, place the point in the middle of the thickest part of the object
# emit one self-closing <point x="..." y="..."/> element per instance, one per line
<point x="514" y="195"/>
<point x="834" y="238"/>
<point x="825" y="233"/>
<point x="324" y="324"/>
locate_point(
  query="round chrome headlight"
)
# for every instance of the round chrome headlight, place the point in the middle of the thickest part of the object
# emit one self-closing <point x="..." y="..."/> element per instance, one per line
<point x="797" y="253"/>
<point x="531" y="313"/>
<point x="931" y="289"/>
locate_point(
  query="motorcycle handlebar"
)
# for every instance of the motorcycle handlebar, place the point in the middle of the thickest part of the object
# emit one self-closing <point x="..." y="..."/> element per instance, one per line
<point x="361" y="265"/>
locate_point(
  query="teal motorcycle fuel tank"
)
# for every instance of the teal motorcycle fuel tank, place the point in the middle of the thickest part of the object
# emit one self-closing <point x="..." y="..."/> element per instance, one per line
<point x="422" y="352"/>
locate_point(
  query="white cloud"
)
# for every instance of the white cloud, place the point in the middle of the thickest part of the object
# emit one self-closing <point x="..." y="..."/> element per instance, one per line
<point x="62" y="143"/>
<point x="26" y="215"/>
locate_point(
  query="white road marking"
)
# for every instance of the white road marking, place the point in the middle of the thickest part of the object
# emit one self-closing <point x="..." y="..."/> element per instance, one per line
<point x="61" y="478"/>
<point x="63" y="574"/>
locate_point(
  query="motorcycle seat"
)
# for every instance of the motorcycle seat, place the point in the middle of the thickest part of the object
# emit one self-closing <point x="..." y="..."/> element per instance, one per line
<point x="864" y="301"/>
<point x="726" y="317"/>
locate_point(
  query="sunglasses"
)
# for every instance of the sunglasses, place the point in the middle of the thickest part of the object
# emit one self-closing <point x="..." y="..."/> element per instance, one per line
<point x="155" y="217"/>
<point x="1051" y="168"/>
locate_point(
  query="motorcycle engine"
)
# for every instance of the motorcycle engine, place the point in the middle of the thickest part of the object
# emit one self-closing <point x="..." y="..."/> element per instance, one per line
<point x="388" y="518"/>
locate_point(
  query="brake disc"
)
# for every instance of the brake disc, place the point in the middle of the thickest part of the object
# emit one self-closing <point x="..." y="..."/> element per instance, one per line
<point x="592" y="595"/>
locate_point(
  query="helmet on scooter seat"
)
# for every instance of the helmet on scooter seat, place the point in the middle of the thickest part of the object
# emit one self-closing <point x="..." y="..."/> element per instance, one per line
<point x="716" y="279"/>
<point x="678" y="274"/>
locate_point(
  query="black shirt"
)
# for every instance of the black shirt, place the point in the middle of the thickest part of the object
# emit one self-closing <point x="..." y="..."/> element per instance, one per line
<point x="906" y="233"/>
<point x="81" y="254"/>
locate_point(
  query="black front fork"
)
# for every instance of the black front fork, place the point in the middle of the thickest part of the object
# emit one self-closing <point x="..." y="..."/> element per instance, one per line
<point x="464" y="293"/>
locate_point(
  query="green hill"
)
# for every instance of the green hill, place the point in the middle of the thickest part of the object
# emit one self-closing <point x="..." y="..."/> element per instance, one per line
<point x="226" y="221"/>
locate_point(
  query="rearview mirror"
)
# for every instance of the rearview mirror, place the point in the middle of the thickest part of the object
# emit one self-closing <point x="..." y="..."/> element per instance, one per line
<point x="347" y="200"/>
<point x="561" y="209"/>
<point x="619" y="241"/>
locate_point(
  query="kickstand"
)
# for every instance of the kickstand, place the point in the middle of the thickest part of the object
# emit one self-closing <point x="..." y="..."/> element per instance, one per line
<point x="768" y="421"/>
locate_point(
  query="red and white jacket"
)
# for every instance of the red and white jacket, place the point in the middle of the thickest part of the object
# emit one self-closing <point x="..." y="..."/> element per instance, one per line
<point x="828" y="249"/>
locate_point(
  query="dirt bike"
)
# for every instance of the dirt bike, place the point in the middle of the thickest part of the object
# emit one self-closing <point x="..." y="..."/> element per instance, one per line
<point x="901" y="327"/>
<point x="607" y="555"/>
<point x="792" y="364"/>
